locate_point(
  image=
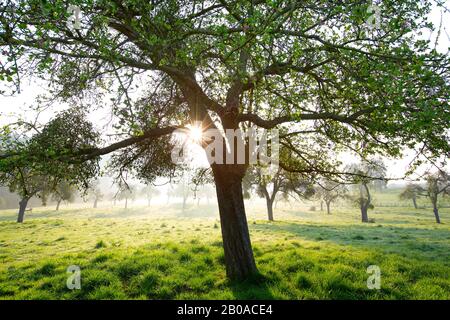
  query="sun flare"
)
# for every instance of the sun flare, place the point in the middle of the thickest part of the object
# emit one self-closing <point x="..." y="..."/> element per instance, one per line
<point x="195" y="133"/>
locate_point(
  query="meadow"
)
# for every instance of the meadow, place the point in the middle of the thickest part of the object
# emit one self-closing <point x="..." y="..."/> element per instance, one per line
<point x="159" y="252"/>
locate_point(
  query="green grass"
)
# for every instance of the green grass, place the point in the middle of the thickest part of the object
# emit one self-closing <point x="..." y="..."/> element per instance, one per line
<point x="160" y="253"/>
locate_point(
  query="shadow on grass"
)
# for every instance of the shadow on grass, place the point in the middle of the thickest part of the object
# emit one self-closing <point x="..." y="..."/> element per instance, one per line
<point x="256" y="287"/>
<point x="409" y="242"/>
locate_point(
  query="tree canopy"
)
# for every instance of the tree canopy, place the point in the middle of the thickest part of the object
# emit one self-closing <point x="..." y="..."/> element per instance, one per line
<point x="266" y="62"/>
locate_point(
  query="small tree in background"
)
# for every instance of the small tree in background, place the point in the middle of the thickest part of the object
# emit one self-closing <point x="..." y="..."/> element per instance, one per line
<point x="182" y="190"/>
<point x="412" y="192"/>
<point x="18" y="176"/>
<point x="149" y="191"/>
<point x="27" y="185"/>
<point x="97" y="195"/>
<point x="203" y="191"/>
<point x="437" y="184"/>
<point x="63" y="192"/>
<point x="127" y="193"/>
<point x="281" y="183"/>
<point x="364" y="173"/>
<point x="329" y="191"/>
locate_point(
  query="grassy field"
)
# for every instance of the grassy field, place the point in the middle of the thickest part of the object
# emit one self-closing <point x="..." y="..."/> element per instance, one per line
<point x="160" y="253"/>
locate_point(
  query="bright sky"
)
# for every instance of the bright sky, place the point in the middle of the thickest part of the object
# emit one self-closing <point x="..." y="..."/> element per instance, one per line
<point x="11" y="107"/>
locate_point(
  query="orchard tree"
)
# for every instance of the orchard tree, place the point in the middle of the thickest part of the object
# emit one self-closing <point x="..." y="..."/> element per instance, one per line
<point x="329" y="191"/>
<point x="149" y="191"/>
<point x="182" y="190"/>
<point x="313" y="69"/>
<point x="437" y="184"/>
<point x="207" y="192"/>
<point x="365" y="173"/>
<point x="63" y="192"/>
<point x="27" y="184"/>
<point x="96" y="194"/>
<point x="126" y="193"/>
<point x="281" y="183"/>
<point x="18" y="176"/>
<point x="412" y="192"/>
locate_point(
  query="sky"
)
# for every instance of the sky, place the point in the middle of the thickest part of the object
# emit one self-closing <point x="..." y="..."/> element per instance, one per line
<point x="11" y="107"/>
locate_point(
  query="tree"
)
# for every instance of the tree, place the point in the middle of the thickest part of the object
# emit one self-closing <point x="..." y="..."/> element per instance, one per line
<point x="63" y="192"/>
<point x="309" y="68"/>
<point x="149" y="192"/>
<point x="204" y="191"/>
<point x="412" y="192"/>
<point x="26" y="184"/>
<point x="182" y="190"/>
<point x="437" y="184"/>
<point x="97" y="194"/>
<point x="50" y="163"/>
<point x="127" y="193"/>
<point x="281" y="183"/>
<point x="329" y="191"/>
<point x="21" y="178"/>
<point x="365" y="173"/>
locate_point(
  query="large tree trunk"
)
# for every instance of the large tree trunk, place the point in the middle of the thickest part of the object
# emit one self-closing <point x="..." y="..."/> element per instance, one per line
<point x="95" y="203"/>
<point x="321" y="205"/>
<point x="22" y="207"/>
<point x="57" y="205"/>
<point x="239" y="259"/>
<point x="126" y="203"/>
<point x="436" y="212"/>
<point x="414" y="202"/>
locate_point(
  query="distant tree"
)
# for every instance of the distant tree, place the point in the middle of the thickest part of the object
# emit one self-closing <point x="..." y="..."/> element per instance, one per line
<point x="21" y="178"/>
<point x="127" y="193"/>
<point x="182" y="190"/>
<point x="412" y="192"/>
<point x="366" y="172"/>
<point x="203" y="191"/>
<point x="437" y="184"/>
<point x="111" y="196"/>
<point x="170" y="192"/>
<point x="26" y="184"/>
<point x="329" y="191"/>
<point x="63" y="192"/>
<point x="280" y="182"/>
<point x="97" y="195"/>
<point x="150" y="192"/>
